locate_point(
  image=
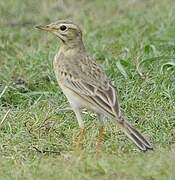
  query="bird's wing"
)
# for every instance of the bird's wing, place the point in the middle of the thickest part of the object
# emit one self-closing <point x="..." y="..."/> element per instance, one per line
<point x="88" y="80"/>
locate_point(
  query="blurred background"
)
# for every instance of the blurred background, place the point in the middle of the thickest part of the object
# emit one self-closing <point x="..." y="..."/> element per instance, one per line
<point x="134" y="41"/>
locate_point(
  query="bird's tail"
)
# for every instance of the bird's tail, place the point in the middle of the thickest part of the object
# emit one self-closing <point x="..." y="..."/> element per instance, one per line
<point x="134" y="135"/>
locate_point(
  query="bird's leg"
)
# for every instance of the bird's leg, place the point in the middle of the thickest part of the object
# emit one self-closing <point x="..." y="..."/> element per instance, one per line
<point x="100" y="139"/>
<point x="80" y="136"/>
<point x="101" y="133"/>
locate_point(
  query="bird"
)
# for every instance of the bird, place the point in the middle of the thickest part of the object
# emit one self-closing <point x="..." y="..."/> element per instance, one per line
<point x="84" y="82"/>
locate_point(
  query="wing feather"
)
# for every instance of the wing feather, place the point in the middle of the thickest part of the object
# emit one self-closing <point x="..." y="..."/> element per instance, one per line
<point x="88" y="80"/>
<point x="105" y="99"/>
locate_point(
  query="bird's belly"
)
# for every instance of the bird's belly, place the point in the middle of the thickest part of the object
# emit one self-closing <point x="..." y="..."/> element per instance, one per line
<point x="73" y="98"/>
<point x="76" y="101"/>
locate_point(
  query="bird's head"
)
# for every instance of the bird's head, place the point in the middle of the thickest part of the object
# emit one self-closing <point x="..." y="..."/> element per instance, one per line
<point x="66" y="30"/>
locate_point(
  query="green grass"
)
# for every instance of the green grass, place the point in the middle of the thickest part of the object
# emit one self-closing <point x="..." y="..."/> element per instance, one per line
<point x="134" y="41"/>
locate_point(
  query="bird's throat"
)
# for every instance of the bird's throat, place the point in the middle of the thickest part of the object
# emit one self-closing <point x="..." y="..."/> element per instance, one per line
<point x="72" y="46"/>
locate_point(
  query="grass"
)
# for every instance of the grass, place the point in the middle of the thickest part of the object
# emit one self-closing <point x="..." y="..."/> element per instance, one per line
<point x="134" y="42"/>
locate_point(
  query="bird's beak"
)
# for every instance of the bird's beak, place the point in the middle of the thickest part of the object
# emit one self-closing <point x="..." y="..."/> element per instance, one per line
<point x="45" y="28"/>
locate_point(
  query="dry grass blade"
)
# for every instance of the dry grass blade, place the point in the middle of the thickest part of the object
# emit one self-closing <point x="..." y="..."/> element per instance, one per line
<point x="4" y="90"/>
<point x="4" y="118"/>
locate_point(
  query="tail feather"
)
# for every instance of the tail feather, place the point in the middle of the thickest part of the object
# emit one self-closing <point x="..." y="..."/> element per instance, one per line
<point x="135" y="136"/>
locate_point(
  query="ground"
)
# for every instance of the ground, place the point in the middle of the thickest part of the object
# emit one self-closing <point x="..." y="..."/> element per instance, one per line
<point x="133" y="40"/>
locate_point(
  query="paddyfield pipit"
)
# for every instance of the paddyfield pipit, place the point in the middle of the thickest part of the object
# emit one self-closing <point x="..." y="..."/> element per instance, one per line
<point x="83" y="81"/>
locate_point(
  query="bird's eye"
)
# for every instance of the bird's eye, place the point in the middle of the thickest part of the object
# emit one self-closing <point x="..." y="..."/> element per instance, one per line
<point x="63" y="28"/>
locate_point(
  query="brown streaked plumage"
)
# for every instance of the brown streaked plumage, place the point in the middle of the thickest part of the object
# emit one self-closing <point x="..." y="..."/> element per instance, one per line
<point x="83" y="81"/>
